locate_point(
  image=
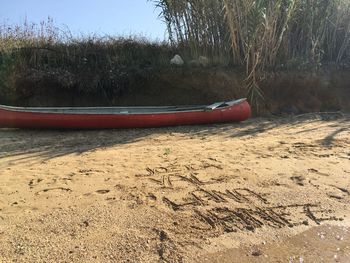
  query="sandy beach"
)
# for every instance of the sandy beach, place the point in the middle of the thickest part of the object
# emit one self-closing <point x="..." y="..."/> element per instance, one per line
<point x="265" y="190"/>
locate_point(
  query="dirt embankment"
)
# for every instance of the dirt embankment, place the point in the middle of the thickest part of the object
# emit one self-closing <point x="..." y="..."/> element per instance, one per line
<point x="285" y="92"/>
<point x="260" y="191"/>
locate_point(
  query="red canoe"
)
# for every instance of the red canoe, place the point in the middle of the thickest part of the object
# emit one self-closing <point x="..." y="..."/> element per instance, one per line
<point x="123" y="117"/>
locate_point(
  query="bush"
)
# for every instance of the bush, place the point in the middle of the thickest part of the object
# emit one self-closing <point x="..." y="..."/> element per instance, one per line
<point x="34" y="58"/>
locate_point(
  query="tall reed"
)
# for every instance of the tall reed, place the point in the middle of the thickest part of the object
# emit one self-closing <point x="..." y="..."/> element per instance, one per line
<point x="261" y="34"/>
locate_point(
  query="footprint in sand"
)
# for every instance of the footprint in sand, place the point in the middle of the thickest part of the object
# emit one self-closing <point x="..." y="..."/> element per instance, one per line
<point x="340" y="193"/>
<point x="34" y="182"/>
<point x="103" y="191"/>
<point x="152" y="197"/>
<point x="52" y="189"/>
<point x="299" y="180"/>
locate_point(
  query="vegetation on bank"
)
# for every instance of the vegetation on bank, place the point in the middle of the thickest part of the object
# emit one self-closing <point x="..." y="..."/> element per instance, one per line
<point x="262" y="35"/>
<point x="34" y="57"/>
<point x="255" y="35"/>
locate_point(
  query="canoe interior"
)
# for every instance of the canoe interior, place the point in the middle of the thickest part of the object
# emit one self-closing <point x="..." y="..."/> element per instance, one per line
<point x="122" y="110"/>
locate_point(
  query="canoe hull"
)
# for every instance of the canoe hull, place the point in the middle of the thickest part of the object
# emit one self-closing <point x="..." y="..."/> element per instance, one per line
<point x="23" y="119"/>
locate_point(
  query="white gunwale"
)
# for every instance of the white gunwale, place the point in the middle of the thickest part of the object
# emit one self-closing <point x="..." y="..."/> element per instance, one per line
<point x="124" y="110"/>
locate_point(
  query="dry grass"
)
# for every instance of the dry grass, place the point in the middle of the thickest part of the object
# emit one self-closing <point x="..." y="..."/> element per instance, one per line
<point x="34" y="56"/>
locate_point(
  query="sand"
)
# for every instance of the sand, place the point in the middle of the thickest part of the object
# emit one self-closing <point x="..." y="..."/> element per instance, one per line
<point x="266" y="190"/>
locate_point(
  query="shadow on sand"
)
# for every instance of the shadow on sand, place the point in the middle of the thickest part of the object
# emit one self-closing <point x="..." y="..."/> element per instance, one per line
<point x="25" y="145"/>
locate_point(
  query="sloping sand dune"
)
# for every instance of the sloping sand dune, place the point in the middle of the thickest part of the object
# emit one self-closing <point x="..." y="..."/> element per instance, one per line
<point x="266" y="190"/>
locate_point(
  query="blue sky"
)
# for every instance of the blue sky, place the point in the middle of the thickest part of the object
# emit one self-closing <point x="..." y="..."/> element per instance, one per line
<point x="113" y="17"/>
